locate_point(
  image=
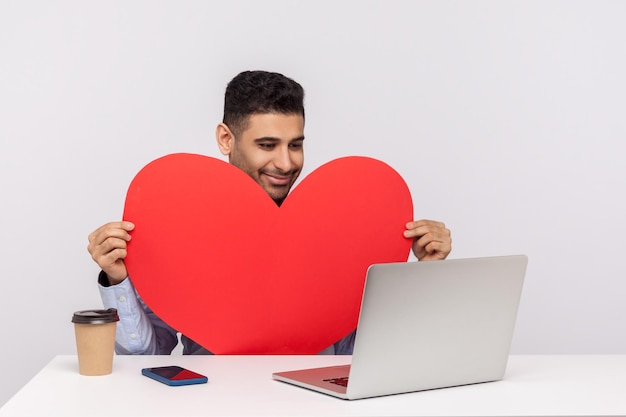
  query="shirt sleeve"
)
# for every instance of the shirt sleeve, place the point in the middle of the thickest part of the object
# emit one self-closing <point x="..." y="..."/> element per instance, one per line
<point x="139" y="331"/>
<point x="346" y="345"/>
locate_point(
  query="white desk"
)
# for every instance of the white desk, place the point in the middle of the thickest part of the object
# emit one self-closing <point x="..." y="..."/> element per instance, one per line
<point x="242" y="386"/>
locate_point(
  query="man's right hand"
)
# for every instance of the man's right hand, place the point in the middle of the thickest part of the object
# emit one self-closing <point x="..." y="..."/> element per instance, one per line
<point x="107" y="246"/>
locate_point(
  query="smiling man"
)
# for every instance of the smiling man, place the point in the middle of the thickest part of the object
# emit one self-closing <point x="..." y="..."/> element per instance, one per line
<point x="262" y="134"/>
<point x="270" y="150"/>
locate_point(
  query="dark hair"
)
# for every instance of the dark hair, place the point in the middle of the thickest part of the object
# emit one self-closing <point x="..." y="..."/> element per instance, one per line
<point x="258" y="92"/>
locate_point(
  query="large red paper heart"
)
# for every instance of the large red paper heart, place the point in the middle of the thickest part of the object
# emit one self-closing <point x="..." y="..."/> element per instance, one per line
<point x="219" y="261"/>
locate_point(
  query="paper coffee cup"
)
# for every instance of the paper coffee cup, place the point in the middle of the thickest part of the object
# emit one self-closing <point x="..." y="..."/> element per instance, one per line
<point x="95" y="340"/>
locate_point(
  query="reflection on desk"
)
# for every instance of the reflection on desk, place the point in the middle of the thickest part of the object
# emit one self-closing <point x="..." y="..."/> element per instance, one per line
<point x="534" y="385"/>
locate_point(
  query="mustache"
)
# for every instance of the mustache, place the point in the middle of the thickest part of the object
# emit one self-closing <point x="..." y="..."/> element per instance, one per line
<point x="279" y="173"/>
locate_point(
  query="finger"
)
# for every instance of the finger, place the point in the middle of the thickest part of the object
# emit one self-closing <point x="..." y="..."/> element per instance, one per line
<point x="435" y="246"/>
<point x="440" y="237"/>
<point x="108" y="254"/>
<point x="439" y="231"/>
<point x="431" y="239"/>
<point x="111" y="229"/>
<point x="423" y="241"/>
<point x="425" y="223"/>
<point x="111" y="257"/>
<point x="104" y="243"/>
<point x="109" y="245"/>
<point x="117" y="230"/>
<point x="437" y="250"/>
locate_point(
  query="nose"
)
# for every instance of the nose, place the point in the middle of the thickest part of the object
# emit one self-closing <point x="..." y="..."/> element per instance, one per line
<point x="282" y="159"/>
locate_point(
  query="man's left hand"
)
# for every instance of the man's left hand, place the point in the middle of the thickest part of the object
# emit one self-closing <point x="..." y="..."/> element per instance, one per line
<point x="431" y="239"/>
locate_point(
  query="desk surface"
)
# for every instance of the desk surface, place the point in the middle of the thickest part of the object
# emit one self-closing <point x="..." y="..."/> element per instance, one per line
<point x="546" y="385"/>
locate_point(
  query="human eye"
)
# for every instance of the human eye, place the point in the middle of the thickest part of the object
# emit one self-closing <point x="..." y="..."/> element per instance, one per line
<point x="267" y="146"/>
<point x="296" y="145"/>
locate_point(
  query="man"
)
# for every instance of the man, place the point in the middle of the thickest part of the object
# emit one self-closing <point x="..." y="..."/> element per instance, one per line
<point x="262" y="133"/>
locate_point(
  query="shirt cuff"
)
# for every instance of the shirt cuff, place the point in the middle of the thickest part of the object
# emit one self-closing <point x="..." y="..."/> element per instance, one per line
<point x="134" y="331"/>
<point x="103" y="279"/>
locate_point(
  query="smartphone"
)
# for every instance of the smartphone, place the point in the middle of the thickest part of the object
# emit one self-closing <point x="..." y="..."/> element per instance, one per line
<point x="174" y="375"/>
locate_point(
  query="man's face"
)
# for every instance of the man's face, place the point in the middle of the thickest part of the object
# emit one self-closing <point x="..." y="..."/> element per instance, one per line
<point x="271" y="151"/>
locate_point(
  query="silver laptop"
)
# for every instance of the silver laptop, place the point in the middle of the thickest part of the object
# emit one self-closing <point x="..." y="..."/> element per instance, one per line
<point x="427" y="325"/>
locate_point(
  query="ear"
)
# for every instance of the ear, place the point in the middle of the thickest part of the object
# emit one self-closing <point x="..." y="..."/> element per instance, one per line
<point x="225" y="139"/>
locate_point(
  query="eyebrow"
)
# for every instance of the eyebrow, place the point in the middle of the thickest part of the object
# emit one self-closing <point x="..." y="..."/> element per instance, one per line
<point x="275" y="140"/>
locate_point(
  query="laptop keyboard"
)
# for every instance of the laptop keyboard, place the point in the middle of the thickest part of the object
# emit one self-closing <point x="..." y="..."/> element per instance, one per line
<point x="343" y="381"/>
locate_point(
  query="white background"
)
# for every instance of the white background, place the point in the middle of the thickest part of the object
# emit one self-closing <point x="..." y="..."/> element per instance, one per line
<point x="507" y="120"/>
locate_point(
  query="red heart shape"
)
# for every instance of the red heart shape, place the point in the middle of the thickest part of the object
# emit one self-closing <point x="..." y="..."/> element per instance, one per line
<point x="219" y="261"/>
